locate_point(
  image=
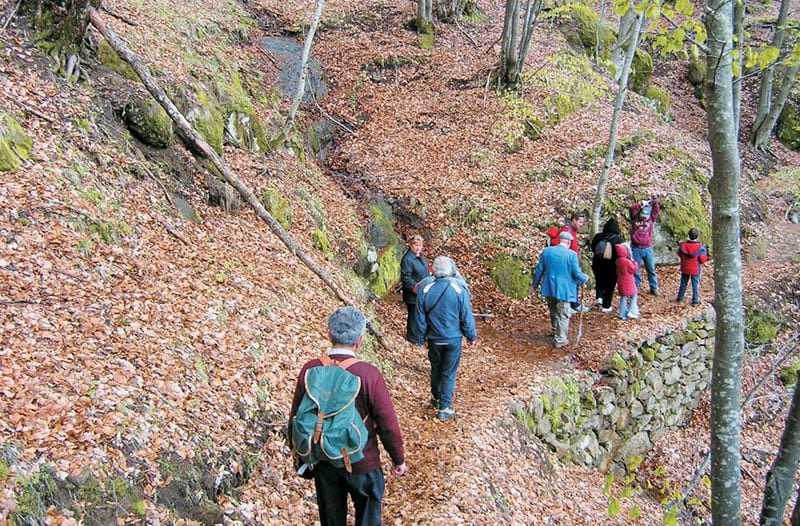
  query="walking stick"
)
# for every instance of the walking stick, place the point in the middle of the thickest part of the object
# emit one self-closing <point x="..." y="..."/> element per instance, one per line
<point x="580" y="317"/>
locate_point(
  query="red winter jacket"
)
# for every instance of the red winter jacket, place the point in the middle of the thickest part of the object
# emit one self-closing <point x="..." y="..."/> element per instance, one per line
<point x="693" y="254"/>
<point x="626" y="268"/>
<point x="574" y="246"/>
<point x="641" y="227"/>
<point x="552" y="233"/>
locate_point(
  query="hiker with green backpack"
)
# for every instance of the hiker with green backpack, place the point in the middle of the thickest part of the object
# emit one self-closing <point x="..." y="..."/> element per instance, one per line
<point x="340" y="406"/>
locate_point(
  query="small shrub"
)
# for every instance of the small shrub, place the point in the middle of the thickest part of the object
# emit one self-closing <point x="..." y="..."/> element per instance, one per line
<point x="321" y="242"/>
<point x="789" y="374"/>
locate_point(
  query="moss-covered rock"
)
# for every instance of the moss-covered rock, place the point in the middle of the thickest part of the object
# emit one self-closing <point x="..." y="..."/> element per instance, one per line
<point x="641" y="71"/>
<point x="205" y="115"/>
<point x="589" y="30"/>
<point x="148" y="122"/>
<point x="381" y="226"/>
<point x="388" y="272"/>
<point x="660" y="97"/>
<point x="277" y="206"/>
<point x="572" y="84"/>
<point x="684" y="211"/>
<point x="381" y="257"/>
<point x="788" y="131"/>
<point x="698" y="70"/>
<point x="511" y="276"/>
<point x="110" y="59"/>
<point x="760" y="327"/>
<point x="15" y="144"/>
<point x="321" y="242"/>
<point x="790" y="373"/>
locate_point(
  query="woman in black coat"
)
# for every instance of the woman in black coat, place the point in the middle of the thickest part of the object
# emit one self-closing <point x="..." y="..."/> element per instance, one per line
<point x="604" y="263"/>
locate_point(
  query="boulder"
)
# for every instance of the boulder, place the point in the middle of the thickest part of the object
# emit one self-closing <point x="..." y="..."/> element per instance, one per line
<point x="288" y="53"/>
<point x="511" y="275"/>
<point x="148" y="122"/>
<point x="15" y="144"/>
<point x="788" y="129"/>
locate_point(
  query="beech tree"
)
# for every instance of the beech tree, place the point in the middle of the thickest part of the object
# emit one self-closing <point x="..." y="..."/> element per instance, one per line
<point x="780" y="478"/>
<point x="729" y="341"/>
<point x="518" y="24"/>
<point x="424" y="18"/>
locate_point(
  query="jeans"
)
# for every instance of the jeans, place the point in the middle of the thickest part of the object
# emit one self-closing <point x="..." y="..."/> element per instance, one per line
<point x="444" y="358"/>
<point x="645" y="255"/>
<point x="334" y="484"/>
<point x="695" y="287"/>
<point x="628" y="308"/>
<point x="559" y="320"/>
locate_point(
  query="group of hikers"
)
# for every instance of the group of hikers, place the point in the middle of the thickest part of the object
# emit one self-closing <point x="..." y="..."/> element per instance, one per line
<point x="341" y="404"/>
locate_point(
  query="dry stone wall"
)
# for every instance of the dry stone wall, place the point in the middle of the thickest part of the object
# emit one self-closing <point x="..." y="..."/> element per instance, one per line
<point x="611" y="419"/>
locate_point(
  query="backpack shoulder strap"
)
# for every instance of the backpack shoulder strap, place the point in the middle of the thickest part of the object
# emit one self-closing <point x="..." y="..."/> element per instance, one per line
<point x="344" y="364"/>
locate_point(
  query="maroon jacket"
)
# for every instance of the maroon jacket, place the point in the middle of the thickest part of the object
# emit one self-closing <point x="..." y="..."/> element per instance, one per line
<point x="642" y="227"/>
<point x="693" y="254"/>
<point x="372" y="402"/>
<point x="626" y="268"/>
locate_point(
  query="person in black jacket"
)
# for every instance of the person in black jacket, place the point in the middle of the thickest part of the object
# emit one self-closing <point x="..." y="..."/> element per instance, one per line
<point x="604" y="263"/>
<point x="413" y="269"/>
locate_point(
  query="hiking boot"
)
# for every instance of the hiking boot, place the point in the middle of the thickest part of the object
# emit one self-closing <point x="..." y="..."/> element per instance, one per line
<point x="582" y="308"/>
<point x="654" y="292"/>
<point x="607" y="310"/>
<point x="446" y="414"/>
<point x="598" y="301"/>
<point x="435" y="403"/>
<point x="633" y="316"/>
<point x="560" y="345"/>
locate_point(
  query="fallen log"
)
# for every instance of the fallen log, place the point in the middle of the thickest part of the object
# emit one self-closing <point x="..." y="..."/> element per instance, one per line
<point x="207" y="152"/>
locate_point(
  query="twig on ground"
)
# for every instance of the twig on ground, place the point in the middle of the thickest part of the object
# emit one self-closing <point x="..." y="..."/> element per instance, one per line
<point x="118" y="16"/>
<point x="469" y="37"/>
<point x="34" y="112"/>
<point x="171" y="230"/>
<point x="10" y="16"/>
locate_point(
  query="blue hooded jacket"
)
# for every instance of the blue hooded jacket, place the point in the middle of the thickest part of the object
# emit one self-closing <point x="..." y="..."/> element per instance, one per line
<point x="444" y="312"/>
<point x="559" y="274"/>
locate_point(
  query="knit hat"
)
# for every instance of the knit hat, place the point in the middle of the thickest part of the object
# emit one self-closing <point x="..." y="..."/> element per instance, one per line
<point x="565" y="236"/>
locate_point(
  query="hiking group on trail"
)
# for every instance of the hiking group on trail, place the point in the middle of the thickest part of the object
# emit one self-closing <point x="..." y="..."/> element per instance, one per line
<point x="341" y="405"/>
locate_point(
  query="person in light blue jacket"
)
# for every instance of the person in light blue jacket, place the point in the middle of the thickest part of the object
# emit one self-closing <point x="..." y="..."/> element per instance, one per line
<point x="444" y="317"/>
<point x="559" y="274"/>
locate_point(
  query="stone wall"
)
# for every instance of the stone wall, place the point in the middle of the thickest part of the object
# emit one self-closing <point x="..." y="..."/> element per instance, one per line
<point x="611" y="419"/>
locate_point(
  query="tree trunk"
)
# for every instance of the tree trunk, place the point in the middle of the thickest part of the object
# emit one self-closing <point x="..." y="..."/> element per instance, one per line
<point x="729" y="342"/>
<point x="780" y="478"/>
<point x="425" y="16"/>
<point x="765" y="93"/>
<point x="301" y="82"/>
<point x="62" y="32"/>
<point x="627" y="24"/>
<point x="764" y="132"/>
<point x="206" y="151"/>
<point x="795" y="521"/>
<point x="619" y="101"/>
<point x="515" y="41"/>
<point x="739" y="9"/>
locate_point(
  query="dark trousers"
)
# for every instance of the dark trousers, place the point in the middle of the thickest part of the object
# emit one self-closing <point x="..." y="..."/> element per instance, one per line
<point x="695" y="287"/>
<point x="411" y="326"/>
<point x="335" y="484"/>
<point x="605" y="278"/>
<point x="444" y="358"/>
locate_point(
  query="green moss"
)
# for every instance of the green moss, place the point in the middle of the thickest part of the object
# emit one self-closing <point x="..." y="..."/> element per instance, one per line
<point x="426" y="40"/>
<point x="388" y="274"/>
<point x="511" y="276"/>
<point x="149" y="122"/>
<point x="617" y="362"/>
<point x="277" y="206"/>
<point x="139" y="508"/>
<point x="35" y="494"/>
<point x="519" y="121"/>
<point x="790" y="373"/>
<point x="685" y="211"/>
<point x="563" y="401"/>
<point x="588" y="29"/>
<point x="5" y="471"/>
<point x="571" y="85"/>
<point x="788" y="130"/>
<point x="641" y="71"/>
<point x="760" y="327"/>
<point x="698" y="71"/>
<point x="233" y="97"/>
<point x="208" y="120"/>
<point x="660" y="97"/>
<point x="648" y="353"/>
<point x="109" y="58"/>
<point x="321" y="242"/>
<point x="381" y="226"/>
<point x="15" y="144"/>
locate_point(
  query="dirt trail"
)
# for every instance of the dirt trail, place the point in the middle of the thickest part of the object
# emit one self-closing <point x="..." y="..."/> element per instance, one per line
<point x="511" y="357"/>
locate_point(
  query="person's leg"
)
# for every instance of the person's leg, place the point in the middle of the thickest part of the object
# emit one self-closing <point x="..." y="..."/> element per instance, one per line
<point x="696" y="289"/>
<point x="451" y="357"/>
<point x="552" y="305"/>
<point x="633" y="307"/>
<point x="367" y="492"/>
<point x="609" y="284"/>
<point x="598" y="281"/>
<point x="649" y="257"/>
<point x="562" y="323"/>
<point x="636" y="253"/>
<point x="623" y="307"/>
<point x="331" y="494"/>
<point x="411" y="327"/>
<point x="682" y="287"/>
<point x="435" y="357"/>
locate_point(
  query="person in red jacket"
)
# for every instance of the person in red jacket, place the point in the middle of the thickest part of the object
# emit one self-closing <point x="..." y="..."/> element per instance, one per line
<point x="693" y="255"/>
<point x="576" y="222"/>
<point x="626" y="283"/>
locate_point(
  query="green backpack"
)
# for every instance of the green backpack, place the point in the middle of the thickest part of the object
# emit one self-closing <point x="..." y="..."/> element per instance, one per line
<point x="327" y="426"/>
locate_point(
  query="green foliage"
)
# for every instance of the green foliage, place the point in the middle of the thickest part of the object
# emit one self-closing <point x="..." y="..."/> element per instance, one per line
<point x="517" y="123"/>
<point x="15" y="144"/>
<point x="660" y="97"/>
<point x="511" y="276"/>
<point x="788" y="129"/>
<point x="321" y="242"/>
<point x="5" y="471"/>
<point x="571" y="85"/>
<point x="277" y="206"/>
<point x="34" y="494"/>
<point x="760" y="327"/>
<point x="109" y="58"/>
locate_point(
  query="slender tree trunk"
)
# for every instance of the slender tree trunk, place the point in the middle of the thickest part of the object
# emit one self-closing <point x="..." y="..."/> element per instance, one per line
<point x="739" y="9"/>
<point x="795" y="521"/>
<point x="301" y="82"/>
<point x="780" y="478"/>
<point x="729" y="342"/>
<point x="425" y="16"/>
<point x="206" y="151"/>
<point x="619" y="102"/>
<point x="764" y="132"/>
<point x="765" y="92"/>
<point x="627" y="25"/>
<point x="515" y="41"/>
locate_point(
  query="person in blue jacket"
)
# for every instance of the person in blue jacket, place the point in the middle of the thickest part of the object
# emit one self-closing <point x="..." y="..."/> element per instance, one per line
<point x="413" y="269"/>
<point x="559" y="274"/>
<point x="444" y="317"/>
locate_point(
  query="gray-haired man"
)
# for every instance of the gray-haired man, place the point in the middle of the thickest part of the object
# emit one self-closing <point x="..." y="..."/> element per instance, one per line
<point x="365" y="484"/>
